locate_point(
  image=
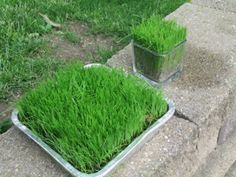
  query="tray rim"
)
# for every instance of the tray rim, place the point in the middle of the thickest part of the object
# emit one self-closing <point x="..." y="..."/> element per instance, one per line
<point x="112" y="164"/>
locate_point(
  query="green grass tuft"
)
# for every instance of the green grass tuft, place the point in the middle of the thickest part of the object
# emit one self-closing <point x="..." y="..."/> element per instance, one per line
<point x="158" y="34"/>
<point x="90" y="115"/>
<point x="102" y="54"/>
<point x="72" y="37"/>
<point x="5" y="125"/>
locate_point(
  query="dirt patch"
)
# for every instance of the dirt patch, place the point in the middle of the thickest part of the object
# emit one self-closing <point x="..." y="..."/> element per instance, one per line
<point x="202" y="69"/>
<point x="5" y="111"/>
<point x="88" y="47"/>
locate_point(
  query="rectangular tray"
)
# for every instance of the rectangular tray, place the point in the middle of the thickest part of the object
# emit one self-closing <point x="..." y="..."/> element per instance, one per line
<point x="110" y="166"/>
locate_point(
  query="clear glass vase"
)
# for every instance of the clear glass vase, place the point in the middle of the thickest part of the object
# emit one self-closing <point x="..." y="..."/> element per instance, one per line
<point x="157" y="68"/>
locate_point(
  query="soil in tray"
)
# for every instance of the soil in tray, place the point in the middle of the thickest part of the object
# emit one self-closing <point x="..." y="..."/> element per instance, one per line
<point x="90" y="115"/>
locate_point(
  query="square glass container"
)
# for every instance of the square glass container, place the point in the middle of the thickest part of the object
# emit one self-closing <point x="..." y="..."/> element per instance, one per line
<point x="158" y="68"/>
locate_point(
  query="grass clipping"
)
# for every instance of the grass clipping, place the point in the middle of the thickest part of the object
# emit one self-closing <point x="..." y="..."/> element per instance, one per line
<point x="159" y="35"/>
<point x="90" y="115"/>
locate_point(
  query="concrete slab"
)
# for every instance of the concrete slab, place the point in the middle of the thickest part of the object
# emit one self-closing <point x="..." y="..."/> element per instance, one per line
<point x="232" y="171"/>
<point x="19" y="156"/>
<point x="229" y="125"/>
<point x="225" y="5"/>
<point x="218" y="162"/>
<point x="209" y="62"/>
<point x="205" y="91"/>
<point x="175" y="137"/>
<point x="203" y="108"/>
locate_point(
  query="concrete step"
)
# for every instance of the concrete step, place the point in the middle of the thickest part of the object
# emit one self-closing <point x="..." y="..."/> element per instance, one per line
<point x="225" y="5"/>
<point x="21" y="157"/>
<point x="220" y="160"/>
<point x="203" y="95"/>
<point x="232" y="171"/>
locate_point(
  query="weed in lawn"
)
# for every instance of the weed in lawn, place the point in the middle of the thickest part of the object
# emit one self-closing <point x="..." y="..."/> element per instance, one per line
<point x="104" y="54"/>
<point x="66" y="111"/>
<point x="69" y="36"/>
<point x="101" y="54"/>
<point x="72" y="37"/>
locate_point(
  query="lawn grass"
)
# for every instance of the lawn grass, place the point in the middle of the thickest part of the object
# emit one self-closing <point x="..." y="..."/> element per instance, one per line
<point x="21" y="28"/>
<point x="21" y="73"/>
<point x="90" y="115"/>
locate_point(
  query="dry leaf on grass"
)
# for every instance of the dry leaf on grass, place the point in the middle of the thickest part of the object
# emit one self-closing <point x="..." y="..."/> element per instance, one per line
<point x="50" y="22"/>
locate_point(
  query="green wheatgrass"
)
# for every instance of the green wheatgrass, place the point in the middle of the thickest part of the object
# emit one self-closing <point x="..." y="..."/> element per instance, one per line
<point x="158" y="34"/>
<point x="90" y="115"/>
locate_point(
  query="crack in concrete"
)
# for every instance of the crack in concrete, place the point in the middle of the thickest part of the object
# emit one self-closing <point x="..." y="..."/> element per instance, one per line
<point x="180" y="115"/>
<point x="227" y="117"/>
